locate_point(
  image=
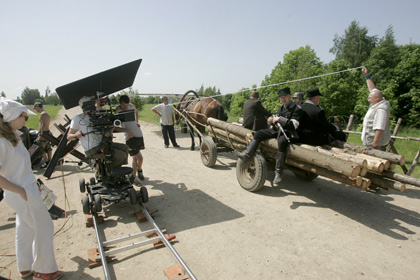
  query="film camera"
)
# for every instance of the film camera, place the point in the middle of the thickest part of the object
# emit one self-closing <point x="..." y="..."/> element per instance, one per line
<point x="109" y="184"/>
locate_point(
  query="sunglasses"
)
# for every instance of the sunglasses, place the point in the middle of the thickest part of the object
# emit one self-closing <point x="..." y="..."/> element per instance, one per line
<point x="26" y="117"/>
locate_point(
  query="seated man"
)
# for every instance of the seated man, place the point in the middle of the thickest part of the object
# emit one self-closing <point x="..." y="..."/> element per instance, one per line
<point x="255" y="115"/>
<point x="315" y="128"/>
<point x="288" y="116"/>
<point x="80" y="128"/>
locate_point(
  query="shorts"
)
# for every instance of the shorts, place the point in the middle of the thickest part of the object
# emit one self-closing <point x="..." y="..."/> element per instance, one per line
<point x="44" y="143"/>
<point x="135" y="144"/>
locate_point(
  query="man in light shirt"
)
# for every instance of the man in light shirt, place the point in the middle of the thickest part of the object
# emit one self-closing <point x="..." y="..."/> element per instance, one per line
<point x="166" y="114"/>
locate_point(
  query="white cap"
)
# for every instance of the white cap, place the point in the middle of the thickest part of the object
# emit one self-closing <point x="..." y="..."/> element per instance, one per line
<point x="11" y="110"/>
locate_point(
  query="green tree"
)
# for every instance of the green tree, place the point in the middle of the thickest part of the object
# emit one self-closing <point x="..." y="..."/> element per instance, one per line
<point x="354" y="46"/>
<point x="29" y="96"/>
<point x="2" y="94"/>
<point x="297" y="64"/>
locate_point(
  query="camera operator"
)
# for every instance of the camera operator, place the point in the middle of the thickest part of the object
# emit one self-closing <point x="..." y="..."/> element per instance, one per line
<point x="81" y="128"/>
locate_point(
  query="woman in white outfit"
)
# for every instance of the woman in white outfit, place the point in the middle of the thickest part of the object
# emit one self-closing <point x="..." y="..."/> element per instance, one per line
<point x="34" y="227"/>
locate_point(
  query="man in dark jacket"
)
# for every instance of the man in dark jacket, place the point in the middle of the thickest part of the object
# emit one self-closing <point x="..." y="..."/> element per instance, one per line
<point x="255" y="115"/>
<point x="315" y="128"/>
<point x="288" y="116"/>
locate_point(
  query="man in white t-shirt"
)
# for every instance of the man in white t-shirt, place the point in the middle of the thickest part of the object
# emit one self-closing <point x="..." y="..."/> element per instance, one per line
<point x="81" y="128"/>
<point x="166" y="114"/>
<point x="376" y="127"/>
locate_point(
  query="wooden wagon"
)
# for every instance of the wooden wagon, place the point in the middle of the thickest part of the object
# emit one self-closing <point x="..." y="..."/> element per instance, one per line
<point x="353" y="165"/>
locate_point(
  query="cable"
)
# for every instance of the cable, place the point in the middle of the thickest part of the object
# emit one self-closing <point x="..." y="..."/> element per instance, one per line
<point x="282" y="83"/>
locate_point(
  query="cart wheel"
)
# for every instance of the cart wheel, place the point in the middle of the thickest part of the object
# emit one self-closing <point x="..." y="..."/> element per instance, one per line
<point x="144" y="195"/>
<point x="252" y="174"/>
<point x="208" y="151"/>
<point x="82" y="185"/>
<point x="86" y="206"/>
<point x="305" y="175"/>
<point x="92" y="181"/>
<point x="97" y="201"/>
<point x="133" y="196"/>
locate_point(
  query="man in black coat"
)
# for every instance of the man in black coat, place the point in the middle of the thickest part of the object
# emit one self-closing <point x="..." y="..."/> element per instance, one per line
<point x="288" y="116"/>
<point x="315" y="128"/>
<point x="255" y="115"/>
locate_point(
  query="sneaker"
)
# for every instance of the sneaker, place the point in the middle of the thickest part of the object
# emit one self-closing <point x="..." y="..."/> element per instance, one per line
<point x="140" y="174"/>
<point x="166" y="146"/>
<point x="44" y="165"/>
<point x="176" y="146"/>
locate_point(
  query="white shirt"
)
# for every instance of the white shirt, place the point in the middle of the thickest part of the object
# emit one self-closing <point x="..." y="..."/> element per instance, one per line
<point x="166" y="112"/>
<point x="15" y="163"/>
<point x="82" y="123"/>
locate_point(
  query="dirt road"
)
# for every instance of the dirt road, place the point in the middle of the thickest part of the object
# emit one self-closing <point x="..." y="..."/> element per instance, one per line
<point x="303" y="230"/>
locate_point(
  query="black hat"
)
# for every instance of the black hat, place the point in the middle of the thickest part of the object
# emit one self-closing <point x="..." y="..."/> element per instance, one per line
<point x="284" y="91"/>
<point x="313" y="92"/>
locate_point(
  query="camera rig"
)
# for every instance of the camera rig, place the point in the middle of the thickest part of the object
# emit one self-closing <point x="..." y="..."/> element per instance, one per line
<point x="109" y="184"/>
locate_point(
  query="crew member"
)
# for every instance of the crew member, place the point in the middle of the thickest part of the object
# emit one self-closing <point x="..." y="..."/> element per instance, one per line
<point x="166" y="115"/>
<point x="254" y="114"/>
<point x="44" y="127"/>
<point x="288" y="116"/>
<point x="376" y="128"/>
<point x="315" y="128"/>
<point x="81" y="128"/>
<point x="135" y="143"/>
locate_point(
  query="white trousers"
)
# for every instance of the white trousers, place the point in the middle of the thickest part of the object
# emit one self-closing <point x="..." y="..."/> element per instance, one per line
<point x="34" y="232"/>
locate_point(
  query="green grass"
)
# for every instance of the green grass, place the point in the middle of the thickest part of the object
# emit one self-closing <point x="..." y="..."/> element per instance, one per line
<point x="33" y="121"/>
<point x="147" y="115"/>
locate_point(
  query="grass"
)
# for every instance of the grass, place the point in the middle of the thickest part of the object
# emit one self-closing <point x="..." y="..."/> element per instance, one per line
<point x="33" y="121"/>
<point x="147" y="115"/>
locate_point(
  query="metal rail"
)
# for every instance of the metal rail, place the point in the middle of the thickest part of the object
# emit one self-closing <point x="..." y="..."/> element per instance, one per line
<point x="160" y="237"/>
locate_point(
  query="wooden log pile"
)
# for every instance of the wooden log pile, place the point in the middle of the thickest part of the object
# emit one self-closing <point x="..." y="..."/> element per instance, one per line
<point x="354" y="165"/>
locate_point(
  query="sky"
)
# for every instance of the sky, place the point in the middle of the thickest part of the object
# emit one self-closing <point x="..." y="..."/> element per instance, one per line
<point x="184" y="43"/>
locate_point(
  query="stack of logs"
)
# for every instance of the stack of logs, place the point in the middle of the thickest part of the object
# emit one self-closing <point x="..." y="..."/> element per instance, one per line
<point x="354" y="165"/>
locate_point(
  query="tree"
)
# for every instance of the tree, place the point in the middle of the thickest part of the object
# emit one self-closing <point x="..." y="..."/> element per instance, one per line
<point x="297" y="64"/>
<point x="29" y="96"/>
<point x="3" y="94"/>
<point x="354" y="46"/>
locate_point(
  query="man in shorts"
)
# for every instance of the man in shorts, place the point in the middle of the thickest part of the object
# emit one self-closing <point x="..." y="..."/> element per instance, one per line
<point x="135" y="143"/>
<point x="44" y="126"/>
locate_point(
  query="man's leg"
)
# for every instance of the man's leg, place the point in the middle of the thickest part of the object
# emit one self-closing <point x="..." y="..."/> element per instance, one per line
<point x="281" y="158"/>
<point x="171" y="131"/>
<point x="259" y="136"/>
<point x="165" y="134"/>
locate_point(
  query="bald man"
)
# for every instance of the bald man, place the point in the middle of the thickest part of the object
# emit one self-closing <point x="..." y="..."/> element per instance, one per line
<point x="376" y="128"/>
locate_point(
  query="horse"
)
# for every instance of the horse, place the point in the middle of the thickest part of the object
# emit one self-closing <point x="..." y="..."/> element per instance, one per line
<point x="196" y="111"/>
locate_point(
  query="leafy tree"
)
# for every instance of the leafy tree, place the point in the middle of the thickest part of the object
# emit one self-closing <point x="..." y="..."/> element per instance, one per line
<point x="354" y="46"/>
<point x="297" y="64"/>
<point x="29" y="96"/>
<point x="340" y="90"/>
<point x="2" y="94"/>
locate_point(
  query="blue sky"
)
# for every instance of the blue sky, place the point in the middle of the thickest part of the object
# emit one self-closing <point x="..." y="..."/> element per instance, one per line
<point x="183" y="43"/>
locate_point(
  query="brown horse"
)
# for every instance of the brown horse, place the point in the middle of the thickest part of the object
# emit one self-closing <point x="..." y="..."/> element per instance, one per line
<point x="197" y="110"/>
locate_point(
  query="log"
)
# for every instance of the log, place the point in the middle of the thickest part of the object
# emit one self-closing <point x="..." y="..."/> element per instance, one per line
<point x="219" y="132"/>
<point x="385" y="183"/>
<point x="226" y="143"/>
<point x="344" y="156"/>
<point x="373" y="164"/>
<point x="357" y="182"/>
<point x="393" y="158"/>
<point x="235" y="129"/>
<point x="297" y="152"/>
<point x="415" y="182"/>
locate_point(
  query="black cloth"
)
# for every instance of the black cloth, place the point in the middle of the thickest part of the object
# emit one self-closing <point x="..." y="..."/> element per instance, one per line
<point x="255" y="115"/>
<point x="315" y="128"/>
<point x="292" y="111"/>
